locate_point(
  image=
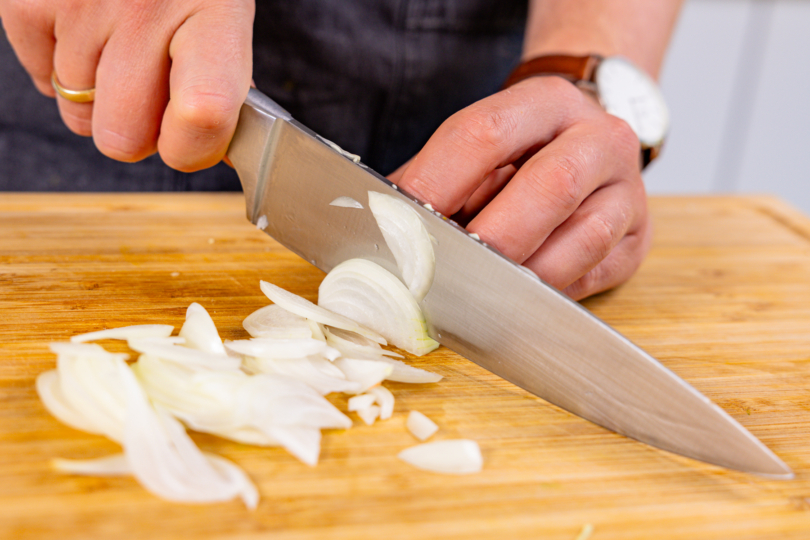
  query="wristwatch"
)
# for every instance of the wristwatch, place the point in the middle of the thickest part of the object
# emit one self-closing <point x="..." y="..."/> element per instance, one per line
<point x="622" y="88"/>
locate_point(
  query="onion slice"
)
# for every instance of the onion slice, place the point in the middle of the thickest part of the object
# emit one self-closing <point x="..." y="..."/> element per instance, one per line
<point x="361" y="401"/>
<point x="354" y="345"/>
<point x="408" y="239"/>
<point x="185" y="356"/>
<point x="127" y="332"/>
<point x="304" y="308"/>
<point x="385" y="399"/>
<point x="404" y="373"/>
<point x="276" y="322"/>
<point x="367" y="373"/>
<point x="460" y="456"/>
<point x="369" y="414"/>
<point x="420" y="425"/>
<point x="283" y="348"/>
<point x="369" y="294"/>
<point x="200" y="331"/>
<point x="346" y="202"/>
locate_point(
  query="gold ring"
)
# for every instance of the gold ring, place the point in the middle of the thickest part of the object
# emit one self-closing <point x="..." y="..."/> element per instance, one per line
<point x="76" y="96"/>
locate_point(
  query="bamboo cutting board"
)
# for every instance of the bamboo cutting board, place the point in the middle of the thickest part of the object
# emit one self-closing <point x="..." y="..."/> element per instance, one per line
<point x="723" y="300"/>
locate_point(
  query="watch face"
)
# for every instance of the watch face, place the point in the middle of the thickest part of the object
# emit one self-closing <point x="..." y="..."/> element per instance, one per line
<point x="629" y="93"/>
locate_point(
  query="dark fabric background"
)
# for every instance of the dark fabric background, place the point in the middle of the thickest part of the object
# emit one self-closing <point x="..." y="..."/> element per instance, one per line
<point x="375" y="76"/>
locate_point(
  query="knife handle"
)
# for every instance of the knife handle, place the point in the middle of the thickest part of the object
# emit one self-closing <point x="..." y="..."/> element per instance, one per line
<point x="252" y="141"/>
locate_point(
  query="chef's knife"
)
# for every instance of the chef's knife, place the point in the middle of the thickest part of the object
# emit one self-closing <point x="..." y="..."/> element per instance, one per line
<point x="481" y="305"/>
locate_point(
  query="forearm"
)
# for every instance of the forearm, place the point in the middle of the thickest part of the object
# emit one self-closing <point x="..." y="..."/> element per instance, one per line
<point x="637" y="29"/>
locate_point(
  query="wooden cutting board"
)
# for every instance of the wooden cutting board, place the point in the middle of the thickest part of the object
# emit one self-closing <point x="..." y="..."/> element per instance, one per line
<point x="723" y="300"/>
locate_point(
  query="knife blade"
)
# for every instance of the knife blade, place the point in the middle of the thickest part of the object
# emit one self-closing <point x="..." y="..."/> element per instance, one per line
<point x="481" y="305"/>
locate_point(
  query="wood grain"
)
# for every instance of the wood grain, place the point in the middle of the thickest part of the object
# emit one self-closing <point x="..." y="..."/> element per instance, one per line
<point x="723" y="300"/>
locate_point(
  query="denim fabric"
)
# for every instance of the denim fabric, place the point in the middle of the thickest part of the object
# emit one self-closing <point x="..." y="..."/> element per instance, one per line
<point x="375" y="76"/>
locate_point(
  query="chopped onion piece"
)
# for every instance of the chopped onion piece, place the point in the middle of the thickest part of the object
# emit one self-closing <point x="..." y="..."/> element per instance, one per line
<point x="304" y="308"/>
<point x="317" y="330"/>
<point x="460" y="456"/>
<point x="474" y="236"/>
<point x="408" y="239"/>
<point x="371" y="295"/>
<point x="276" y="322"/>
<point x="385" y="399"/>
<point x="367" y="373"/>
<point x="369" y="414"/>
<point x="346" y="202"/>
<point x="361" y="402"/>
<point x="586" y="532"/>
<point x="114" y="465"/>
<point x="354" y="345"/>
<point x="200" y="331"/>
<point x="319" y="373"/>
<point x="405" y="373"/>
<point x="283" y="348"/>
<point x="127" y="332"/>
<point x="261" y="223"/>
<point x="420" y="425"/>
<point x="166" y="461"/>
<point x="184" y="355"/>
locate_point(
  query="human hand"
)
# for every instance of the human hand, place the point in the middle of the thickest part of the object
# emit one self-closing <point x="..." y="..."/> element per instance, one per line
<point x="170" y="75"/>
<point x="543" y="174"/>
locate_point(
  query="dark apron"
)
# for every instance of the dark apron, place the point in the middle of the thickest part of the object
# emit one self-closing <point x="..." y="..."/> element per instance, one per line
<point x="375" y="76"/>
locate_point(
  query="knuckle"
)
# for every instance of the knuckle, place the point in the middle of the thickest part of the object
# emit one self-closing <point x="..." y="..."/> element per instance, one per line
<point x="22" y="12"/>
<point x="207" y="107"/>
<point x="120" y="146"/>
<point x="80" y="123"/>
<point x="484" y="127"/>
<point x="622" y="135"/>
<point x="566" y="174"/>
<point x="601" y="236"/>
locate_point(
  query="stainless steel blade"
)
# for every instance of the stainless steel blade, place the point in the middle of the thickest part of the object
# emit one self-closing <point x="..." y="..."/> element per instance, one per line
<point x="481" y="305"/>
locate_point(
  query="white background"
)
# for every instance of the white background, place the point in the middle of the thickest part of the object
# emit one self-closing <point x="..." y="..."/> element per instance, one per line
<point x="737" y="81"/>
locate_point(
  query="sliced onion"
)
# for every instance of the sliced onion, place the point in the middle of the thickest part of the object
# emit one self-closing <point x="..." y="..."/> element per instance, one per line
<point x="114" y="465"/>
<point x="369" y="414"/>
<point x="408" y="239"/>
<point x="420" y="425"/>
<point x="308" y="310"/>
<point x="366" y="373"/>
<point x="318" y="373"/>
<point x="354" y="345"/>
<point x="276" y="322"/>
<point x="50" y="392"/>
<point x="460" y="456"/>
<point x="404" y="373"/>
<point x="127" y="332"/>
<point x="317" y="330"/>
<point x="184" y="355"/>
<point x="385" y="399"/>
<point x="361" y="401"/>
<point x="167" y="462"/>
<point x="200" y="331"/>
<point x="369" y="294"/>
<point x="346" y="202"/>
<point x="283" y="348"/>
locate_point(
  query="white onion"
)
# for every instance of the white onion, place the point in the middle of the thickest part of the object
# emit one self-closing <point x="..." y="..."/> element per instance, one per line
<point x="167" y="462"/>
<point x="460" y="456"/>
<point x="369" y="414"/>
<point x="420" y="425"/>
<point x="185" y="355"/>
<point x="367" y="373"/>
<point x="385" y="399"/>
<point x="409" y="241"/>
<point x="346" y="202"/>
<point x="319" y="373"/>
<point x="261" y="223"/>
<point x="276" y="322"/>
<point x="369" y="294"/>
<point x="361" y="402"/>
<point x="304" y="308"/>
<point x="200" y="331"/>
<point x="282" y="348"/>
<point x="404" y="373"/>
<point x="127" y="332"/>
<point x="354" y="345"/>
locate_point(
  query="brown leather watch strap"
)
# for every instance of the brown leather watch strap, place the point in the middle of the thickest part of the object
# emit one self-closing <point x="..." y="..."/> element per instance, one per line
<point x="573" y="68"/>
